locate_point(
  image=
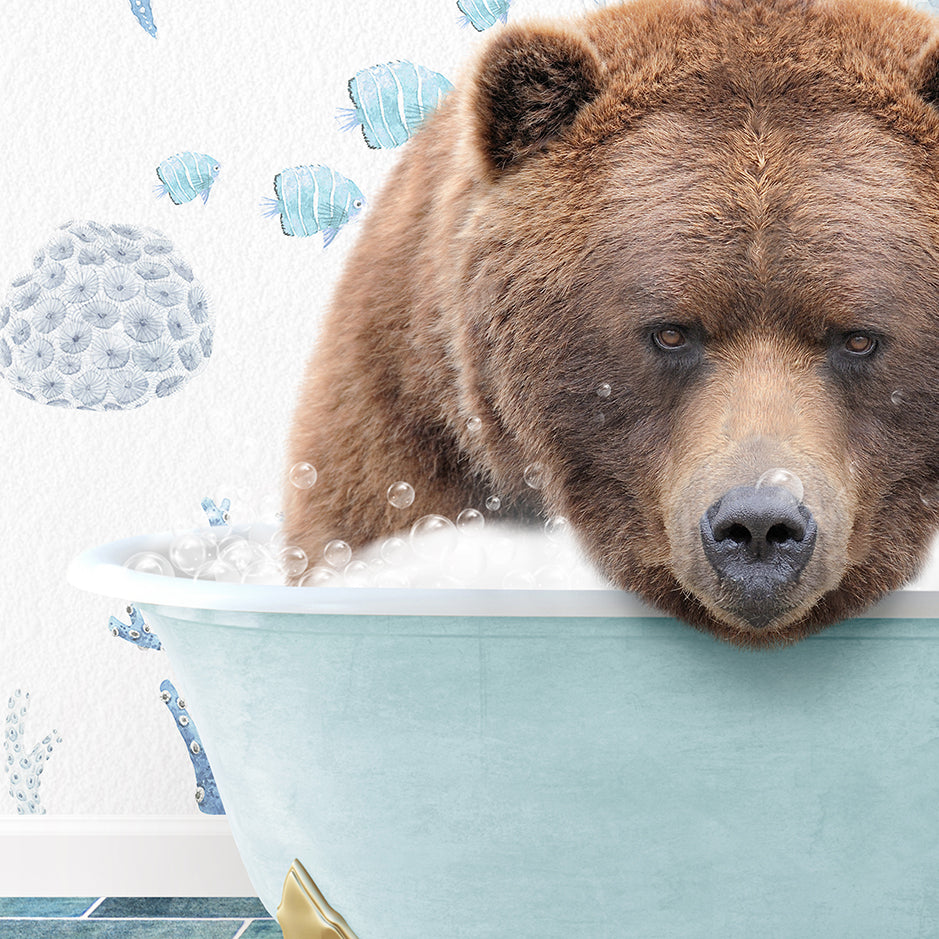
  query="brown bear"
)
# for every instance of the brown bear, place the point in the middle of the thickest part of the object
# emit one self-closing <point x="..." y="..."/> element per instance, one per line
<point x="660" y="251"/>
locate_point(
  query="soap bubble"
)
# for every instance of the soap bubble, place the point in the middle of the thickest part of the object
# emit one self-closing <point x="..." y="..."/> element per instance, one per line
<point x="445" y="582"/>
<point x="439" y="546"/>
<point x="276" y="542"/>
<point x="604" y="390"/>
<point x="356" y="574"/>
<point x="263" y="571"/>
<point x="149" y="562"/>
<point x="320" y="577"/>
<point x="293" y="560"/>
<point x="239" y="552"/>
<point x="557" y="527"/>
<point x="219" y="571"/>
<point x="784" y="479"/>
<point x="553" y="577"/>
<point x="394" y="579"/>
<point x="303" y="475"/>
<point x="534" y="475"/>
<point x="271" y="509"/>
<point x="188" y="552"/>
<point x="337" y="554"/>
<point x="897" y="399"/>
<point x="394" y="550"/>
<point x="474" y="424"/>
<point x="212" y="538"/>
<point x="493" y="503"/>
<point x="470" y="520"/>
<point x="401" y="495"/>
<point x="518" y="580"/>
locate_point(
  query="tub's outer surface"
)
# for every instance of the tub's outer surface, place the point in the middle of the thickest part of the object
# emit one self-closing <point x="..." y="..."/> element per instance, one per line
<point x="546" y="778"/>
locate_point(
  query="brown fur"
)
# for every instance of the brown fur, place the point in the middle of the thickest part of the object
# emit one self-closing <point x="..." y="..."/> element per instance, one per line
<point x="764" y="174"/>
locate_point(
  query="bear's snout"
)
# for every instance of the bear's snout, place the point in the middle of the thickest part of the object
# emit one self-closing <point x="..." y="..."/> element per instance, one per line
<point x="758" y="540"/>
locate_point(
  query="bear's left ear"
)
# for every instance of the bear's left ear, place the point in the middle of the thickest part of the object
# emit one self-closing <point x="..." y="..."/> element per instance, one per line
<point x="924" y="72"/>
<point x="529" y="85"/>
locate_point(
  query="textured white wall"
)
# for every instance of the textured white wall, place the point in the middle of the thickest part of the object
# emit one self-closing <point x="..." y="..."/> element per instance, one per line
<point x="90" y="105"/>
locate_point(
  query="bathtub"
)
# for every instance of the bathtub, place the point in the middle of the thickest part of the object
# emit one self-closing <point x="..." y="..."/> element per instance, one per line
<point x="539" y="764"/>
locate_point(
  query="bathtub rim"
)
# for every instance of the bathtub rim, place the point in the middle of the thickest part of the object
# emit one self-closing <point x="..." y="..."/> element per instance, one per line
<point x="100" y="570"/>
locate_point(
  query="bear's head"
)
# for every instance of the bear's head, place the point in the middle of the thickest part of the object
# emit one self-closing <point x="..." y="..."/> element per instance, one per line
<point x="697" y="281"/>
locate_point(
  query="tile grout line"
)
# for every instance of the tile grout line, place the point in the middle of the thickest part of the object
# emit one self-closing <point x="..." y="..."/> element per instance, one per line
<point x="243" y="928"/>
<point x="92" y="908"/>
<point x="134" y="919"/>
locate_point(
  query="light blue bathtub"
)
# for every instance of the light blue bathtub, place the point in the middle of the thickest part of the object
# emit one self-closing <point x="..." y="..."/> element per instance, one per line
<point x="538" y="764"/>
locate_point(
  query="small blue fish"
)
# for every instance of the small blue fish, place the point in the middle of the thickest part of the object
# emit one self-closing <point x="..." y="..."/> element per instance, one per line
<point x="218" y="514"/>
<point x="141" y="9"/>
<point x="481" y="14"/>
<point x="138" y="632"/>
<point x="391" y="101"/>
<point x="313" y="198"/>
<point x="207" y="795"/>
<point x="187" y="175"/>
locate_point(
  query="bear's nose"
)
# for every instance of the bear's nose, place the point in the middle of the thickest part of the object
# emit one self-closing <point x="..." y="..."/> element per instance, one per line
<point x="758" y="541"/>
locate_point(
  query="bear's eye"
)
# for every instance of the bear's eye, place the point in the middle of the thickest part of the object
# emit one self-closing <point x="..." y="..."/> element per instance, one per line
<point x="860" y="344"/>
<point x="669" y="338"/>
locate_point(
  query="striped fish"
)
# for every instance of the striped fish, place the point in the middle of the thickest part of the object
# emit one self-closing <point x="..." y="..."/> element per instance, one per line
<point x="391" y="101"/>
<point x="481" y="14"/>
<point x="187" y="175"/>
<point x="313" y="198"/>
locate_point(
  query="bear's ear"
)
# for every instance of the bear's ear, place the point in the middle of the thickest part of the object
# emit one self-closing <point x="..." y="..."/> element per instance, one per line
<point x="924" y="72"/>
<point x="530" y="83"/>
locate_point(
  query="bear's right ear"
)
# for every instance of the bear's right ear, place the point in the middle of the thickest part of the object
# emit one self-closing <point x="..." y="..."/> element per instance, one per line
<point x="530" y="84"/>
<point x="924" y="72"/>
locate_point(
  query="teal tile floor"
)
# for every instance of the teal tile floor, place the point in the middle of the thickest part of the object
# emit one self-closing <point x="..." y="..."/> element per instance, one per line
<point x="136" y="918"/>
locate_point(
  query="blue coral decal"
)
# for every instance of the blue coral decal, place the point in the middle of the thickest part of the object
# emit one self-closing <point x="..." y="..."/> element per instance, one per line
<point x="141" y="9"/>
<point x="207" y="795"/>
<point x="109" y="318"/>
<point x="218" y="514"/>
<point x="138" y="632"/>
<point x="24" y="769"/>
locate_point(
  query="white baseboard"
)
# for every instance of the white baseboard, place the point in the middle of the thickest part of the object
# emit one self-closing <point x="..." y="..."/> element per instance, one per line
<point x="120" y="855"/>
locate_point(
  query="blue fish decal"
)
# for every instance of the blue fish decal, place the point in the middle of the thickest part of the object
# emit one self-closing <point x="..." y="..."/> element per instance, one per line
<point x="187" y="175"/>
<point x="141" y="9"/>
<point x="481" y="14"/>
<point x="138" y="632"/>
<point x="218" y="514"/>
<point x="207" y="795"/>
<point x="391" y="101"/>
<point x="313" y="198"/>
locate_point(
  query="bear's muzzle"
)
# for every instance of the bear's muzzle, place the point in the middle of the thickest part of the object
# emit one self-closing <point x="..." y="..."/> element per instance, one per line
<point x="758" y="540"/>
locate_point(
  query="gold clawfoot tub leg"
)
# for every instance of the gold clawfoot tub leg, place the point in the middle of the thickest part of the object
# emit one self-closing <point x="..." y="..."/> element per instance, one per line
<point x="303" y="912"/>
